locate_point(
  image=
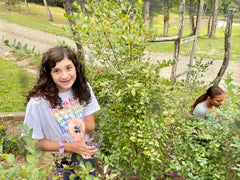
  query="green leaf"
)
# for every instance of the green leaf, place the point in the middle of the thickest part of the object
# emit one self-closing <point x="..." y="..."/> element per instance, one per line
<point x="19" y="46"/>
<point x="64" y="27"/>
<point x="12" y="172"/>
<point x="72" y="176"/>
<point x="35" y="174"/>
<point x="38" y="153"/>
<point x="9" y="157"/>
<point x="133" y="92"/>
<point x="30" y="158"/>
<point x="6" y="42"/>
<point x="30" y="132"/>
<point x="133" y="139"/>
<point x="25" y="48"/>
<point x="29" y="149"/>
<point x="27" y="139"/>
<point x="33" y="143"/>
<point x="1" y="148"/>
<point x="88" y="165"/>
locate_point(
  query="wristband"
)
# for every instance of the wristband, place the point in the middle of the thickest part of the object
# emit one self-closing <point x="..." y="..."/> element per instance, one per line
<point x="61" y="146"/>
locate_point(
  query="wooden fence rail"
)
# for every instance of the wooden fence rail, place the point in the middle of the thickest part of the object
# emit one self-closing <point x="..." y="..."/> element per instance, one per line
<point x="15" y="116"/>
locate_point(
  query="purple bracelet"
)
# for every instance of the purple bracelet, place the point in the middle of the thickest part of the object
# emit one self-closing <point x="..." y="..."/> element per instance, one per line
<point x="61" y="146"/>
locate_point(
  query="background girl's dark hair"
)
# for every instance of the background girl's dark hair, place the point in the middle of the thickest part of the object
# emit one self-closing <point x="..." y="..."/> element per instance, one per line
<point x="46" y="87"/>
<point x="211" y="92"/>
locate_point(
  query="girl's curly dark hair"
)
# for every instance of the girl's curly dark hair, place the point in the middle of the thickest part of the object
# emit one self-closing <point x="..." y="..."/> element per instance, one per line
<point x="46" y="87"/>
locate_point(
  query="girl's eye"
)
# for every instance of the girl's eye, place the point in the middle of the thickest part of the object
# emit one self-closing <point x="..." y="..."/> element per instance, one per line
<point x="55" y="71"/>
<point x="69" y="67"/>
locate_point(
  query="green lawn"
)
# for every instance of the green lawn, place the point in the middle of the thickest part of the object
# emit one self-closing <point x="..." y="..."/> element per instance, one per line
<point x="206" y="48"/>
<point x="15" y="83"/>
<point x="37" y="19"/>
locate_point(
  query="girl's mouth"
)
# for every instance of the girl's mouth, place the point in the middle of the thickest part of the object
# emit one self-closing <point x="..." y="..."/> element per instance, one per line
<point x="66" y="82"/>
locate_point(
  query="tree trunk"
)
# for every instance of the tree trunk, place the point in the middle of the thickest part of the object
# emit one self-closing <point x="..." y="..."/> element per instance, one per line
<point x="8" y="5"/>
<point x="227" y="47"/>
<point x="209" y="25"/>
<point x="146" y="13"/>
<point x="26" y="5"/>
<point x="191" y="17"/>
<point x="199" y="17"/>
<point x="68" y="9"/>
<point x="210" y="17"/>
<point x="48" y="10"/>
<point x="214" y="20"/>
<point x="166" y="17"/>
<point x="151" y="16"/>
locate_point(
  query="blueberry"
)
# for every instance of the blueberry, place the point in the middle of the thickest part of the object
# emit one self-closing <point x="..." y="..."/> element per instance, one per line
<point x="76" y="127"/>
<point x="77" y="131"/>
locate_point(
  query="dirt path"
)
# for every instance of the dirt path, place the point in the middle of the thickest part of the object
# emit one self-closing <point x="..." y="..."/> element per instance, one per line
<point x="42" y="41"/>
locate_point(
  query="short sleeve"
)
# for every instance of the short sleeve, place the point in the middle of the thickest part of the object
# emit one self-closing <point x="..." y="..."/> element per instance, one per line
<point x="93" y="106"/>
<point x="200" y="112"/>
<point x="32" y="120"/>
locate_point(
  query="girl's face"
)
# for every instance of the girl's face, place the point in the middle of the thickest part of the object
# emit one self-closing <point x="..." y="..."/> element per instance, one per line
<point x="64" y="74"/>
<point x="217" y="101"/>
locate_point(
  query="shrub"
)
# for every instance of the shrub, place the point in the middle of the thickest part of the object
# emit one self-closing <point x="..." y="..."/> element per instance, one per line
<point x="11" y="143"/>
<point x="9" y="169"/>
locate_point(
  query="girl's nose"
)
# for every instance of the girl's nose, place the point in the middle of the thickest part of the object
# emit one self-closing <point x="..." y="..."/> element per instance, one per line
<point x="64" y="74"/>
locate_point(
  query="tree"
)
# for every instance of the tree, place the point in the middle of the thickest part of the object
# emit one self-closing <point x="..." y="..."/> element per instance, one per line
<point x="48" y="10"/>
<point x="191" y="17"/>
<point x="68" y="9"/>
<point x="8" y="4"/>
<point x="199" y="17"/>
<point x="147" y="13"/>
<point x="214" y="20"/>
<point x="26" y="5"/>
<point x="195" y="27"/>
<point x="210" y="17"/>
<point x="166" y="17"/>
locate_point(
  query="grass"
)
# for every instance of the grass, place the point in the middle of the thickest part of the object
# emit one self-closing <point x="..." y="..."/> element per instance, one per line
<point x="206" y="48"/>
<point x="37" y="19"/>
<point x="15" y="83"/>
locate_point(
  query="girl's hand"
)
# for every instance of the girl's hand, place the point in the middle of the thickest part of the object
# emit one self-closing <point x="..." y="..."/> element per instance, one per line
<point x="73" y="128"/>
<point x="84" y="150"/>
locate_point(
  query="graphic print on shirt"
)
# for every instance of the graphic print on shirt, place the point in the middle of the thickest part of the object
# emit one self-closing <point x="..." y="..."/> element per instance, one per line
<point x="71" y="109"/>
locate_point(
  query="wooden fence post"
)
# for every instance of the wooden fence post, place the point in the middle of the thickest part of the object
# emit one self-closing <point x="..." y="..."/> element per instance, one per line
<point x="178" y="41"/>
<point x="227" y="47"/>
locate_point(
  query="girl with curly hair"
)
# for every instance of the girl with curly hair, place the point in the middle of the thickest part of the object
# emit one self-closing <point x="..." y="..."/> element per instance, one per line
<point x="61" y="107"/>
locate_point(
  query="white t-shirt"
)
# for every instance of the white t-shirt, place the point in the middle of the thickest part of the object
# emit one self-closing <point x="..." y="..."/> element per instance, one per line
<point x="52" y="124"/>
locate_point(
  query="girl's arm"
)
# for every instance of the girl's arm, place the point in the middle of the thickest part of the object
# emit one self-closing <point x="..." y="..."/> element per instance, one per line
<point x="79" y="147"/>
<point x="89" y="123"/>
